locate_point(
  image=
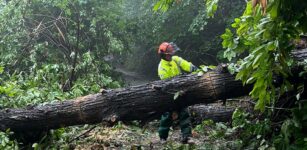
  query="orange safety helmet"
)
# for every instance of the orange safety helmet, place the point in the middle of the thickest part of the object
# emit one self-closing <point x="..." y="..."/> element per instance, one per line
<point x="168" y="48"/>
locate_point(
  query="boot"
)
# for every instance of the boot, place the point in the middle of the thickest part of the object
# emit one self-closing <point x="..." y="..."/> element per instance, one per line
<point x="187" y="140"/>
<point x="162" y="141"/>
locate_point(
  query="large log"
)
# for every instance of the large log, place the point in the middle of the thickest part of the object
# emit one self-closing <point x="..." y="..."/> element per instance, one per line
<point x="219" y="112"/>
<point x="212" y="112"/>
<point x="133" y="103"/>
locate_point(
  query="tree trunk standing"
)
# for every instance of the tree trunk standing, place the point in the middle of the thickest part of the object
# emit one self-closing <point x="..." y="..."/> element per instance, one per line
<point x="132" y="103"/>
<point x="72" y="77"/>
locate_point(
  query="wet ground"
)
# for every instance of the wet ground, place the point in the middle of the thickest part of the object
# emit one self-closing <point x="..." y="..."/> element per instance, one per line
<point x="132" y="137"/>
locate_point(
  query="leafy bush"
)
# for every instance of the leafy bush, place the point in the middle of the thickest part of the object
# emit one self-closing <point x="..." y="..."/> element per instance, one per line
<point x="6" y="142"/>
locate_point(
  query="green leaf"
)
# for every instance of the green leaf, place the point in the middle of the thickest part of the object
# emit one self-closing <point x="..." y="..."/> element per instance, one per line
<point x="260" y="105"/>
<point x="211" y="7"/>
<point x="205" y="69"/>
<point x="157" y="6"/>
<point x="176" y="95"/>
<point x="250" y="80"/>
<point x="249" y="9"/>
<point x="274" y="9"/>
<point x="199" y="74"/>
<point x="298" y="96"/>
<point x="35" y="146"/>
<point x="1" y="69"/>
<point x="256" y="61"/>
<point x="240" y="75"/>
<point x="271" y="46"/>
<point x="211" y="67"/>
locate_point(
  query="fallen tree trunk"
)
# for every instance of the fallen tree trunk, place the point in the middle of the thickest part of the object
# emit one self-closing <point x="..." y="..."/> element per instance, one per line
<point x="133" y="103"/>
<point x="215" y="113"/>
<point x="218" y="112"/>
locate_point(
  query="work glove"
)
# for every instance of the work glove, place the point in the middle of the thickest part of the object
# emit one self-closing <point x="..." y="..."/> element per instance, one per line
<point x="194" y="68"/>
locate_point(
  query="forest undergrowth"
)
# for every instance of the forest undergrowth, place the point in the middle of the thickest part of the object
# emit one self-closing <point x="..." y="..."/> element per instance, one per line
<point x="51" y="51"/>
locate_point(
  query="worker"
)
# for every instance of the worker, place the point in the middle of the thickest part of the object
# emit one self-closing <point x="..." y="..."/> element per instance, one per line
<point x="171" y="66"/>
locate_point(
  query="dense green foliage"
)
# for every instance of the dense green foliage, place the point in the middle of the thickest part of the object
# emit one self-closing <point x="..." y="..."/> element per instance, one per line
<point x="260" y="45"/>
<point x="267" y="40"/>
<point x="187" y="23"/>
<point x="56" y="50"/>
<point x="53" y="50"/>
<point x="64" y="43"/>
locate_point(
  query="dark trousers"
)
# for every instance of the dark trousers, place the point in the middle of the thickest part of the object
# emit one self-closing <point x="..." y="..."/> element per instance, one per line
<point x="184" y="121"/>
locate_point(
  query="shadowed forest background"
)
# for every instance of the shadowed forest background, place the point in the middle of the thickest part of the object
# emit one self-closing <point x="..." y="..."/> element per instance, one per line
<point x="55" y="50"/>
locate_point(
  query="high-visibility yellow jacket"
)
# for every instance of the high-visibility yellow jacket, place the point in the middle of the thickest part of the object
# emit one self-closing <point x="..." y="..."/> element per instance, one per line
<point x="169" y="69"/>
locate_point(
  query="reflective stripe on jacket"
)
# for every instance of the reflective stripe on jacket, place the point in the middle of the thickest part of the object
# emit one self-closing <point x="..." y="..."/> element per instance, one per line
<point x="169" y="69"/>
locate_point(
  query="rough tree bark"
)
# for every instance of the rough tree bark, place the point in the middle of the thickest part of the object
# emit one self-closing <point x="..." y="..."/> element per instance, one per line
<point x="219" y="112"/>
<point x="215" y="113"/>
<point x="132" y="103"/>
<point x="141" y="102"/>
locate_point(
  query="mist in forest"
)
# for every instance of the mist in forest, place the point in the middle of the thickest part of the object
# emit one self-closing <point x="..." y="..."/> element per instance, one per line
<point x="197" y="36"/>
